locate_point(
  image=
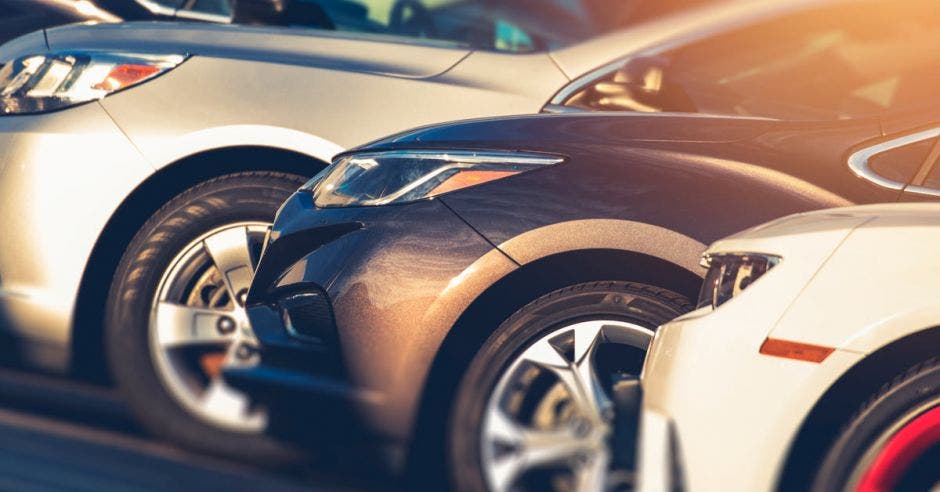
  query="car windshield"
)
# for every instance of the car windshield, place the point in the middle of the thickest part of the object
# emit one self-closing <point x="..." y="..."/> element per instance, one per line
<point x="847" y="60"/>
<point x="500" y="25"/>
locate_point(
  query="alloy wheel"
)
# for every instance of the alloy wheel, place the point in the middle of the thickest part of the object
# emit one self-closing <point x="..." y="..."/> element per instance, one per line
<point x="198" y="324"/>
<point x="550" y="416"/>
<point x="902" y="450"/>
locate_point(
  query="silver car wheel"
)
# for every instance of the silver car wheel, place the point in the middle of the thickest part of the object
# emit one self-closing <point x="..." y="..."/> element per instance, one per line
<point x="198" y="324"/>
<point x="569" y="425"/>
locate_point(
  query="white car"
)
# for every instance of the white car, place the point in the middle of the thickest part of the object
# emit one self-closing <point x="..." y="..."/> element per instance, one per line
<point x="824" y="375"/>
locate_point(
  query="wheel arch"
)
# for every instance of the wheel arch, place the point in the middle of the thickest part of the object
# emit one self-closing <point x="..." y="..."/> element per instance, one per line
<point x="87" y="351"/>
<point x="824" y="422"/>
<point x="509" y="294"/>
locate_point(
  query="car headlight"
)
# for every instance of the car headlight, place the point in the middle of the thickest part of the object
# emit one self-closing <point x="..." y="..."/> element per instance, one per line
<point x="730" y="273"/>
<point x="40" y="83"/>
<point x="380" y="178"/>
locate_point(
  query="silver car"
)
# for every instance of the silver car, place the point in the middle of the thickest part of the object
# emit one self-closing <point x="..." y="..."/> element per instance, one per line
<point x="141" y="164"/>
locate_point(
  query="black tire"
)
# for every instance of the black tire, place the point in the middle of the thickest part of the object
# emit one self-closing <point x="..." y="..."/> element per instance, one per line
<point x="885" y="412"/>
<point x="233" y="198"/>
<point x="649" y="307"/>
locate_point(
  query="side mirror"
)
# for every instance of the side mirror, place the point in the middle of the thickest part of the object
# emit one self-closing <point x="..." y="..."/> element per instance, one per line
<point x="266" y="12"/>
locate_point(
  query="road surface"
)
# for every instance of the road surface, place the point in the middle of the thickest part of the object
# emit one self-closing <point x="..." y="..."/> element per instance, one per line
<point x="62" y="436"/>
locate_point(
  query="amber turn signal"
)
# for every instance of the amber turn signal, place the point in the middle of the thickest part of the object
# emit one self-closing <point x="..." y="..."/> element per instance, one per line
<point x="795" y="350"/>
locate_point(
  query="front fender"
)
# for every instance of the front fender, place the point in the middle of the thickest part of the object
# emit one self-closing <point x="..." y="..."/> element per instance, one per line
<point x="221" y="137"/>
<point x="624" y="235"/>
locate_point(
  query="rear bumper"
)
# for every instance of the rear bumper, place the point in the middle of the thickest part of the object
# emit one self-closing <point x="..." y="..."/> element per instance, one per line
<point x="391" y="295"/>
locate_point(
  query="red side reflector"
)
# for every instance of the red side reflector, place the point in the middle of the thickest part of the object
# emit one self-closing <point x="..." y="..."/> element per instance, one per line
<point x="795" y="350"/>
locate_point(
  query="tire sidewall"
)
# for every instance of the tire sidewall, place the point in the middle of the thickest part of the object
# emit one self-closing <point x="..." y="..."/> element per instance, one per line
<point x="584" y="302"/>
<point x="865" y="430"/>
<point x="231" y="199"/>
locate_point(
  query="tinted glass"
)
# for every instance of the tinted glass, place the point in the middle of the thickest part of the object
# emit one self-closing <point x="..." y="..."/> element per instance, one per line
<point x="900" y="164"/>
<point x="220" y="7"/>
<point x="855" y="59"/>
<point x="18" y="17"/>
<point x="502" y="25"/>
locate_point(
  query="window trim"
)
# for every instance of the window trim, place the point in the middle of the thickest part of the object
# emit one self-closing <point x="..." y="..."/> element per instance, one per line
<point x="561" y="97"/>
<point x="858" y="161"/>
<point x="181" y="13"/>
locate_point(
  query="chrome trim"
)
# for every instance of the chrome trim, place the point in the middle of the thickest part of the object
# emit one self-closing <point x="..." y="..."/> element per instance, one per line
<point x="156" y="8"/>
<point x="179" y="13"/>
<point x="586" y="79"/>
<point x="858" y="161"/>
<point x="204" y="17"/>
<point x="922" y="190"/>
<point x="556" y="109"/>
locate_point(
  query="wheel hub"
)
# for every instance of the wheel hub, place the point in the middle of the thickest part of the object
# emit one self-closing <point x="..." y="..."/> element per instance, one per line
<point x="199" y="325"/>
<point x="550" y="415"/>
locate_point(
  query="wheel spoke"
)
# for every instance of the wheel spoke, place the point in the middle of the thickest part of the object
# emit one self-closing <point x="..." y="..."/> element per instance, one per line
<point x="526" y="448"/>
<point x="542" y="447"/>
<point x="580" y="434"/>
<point x="501" y="428"/>
<point x="221" y="400"/>
<point x="592" y="475"/>
<point x="596" y="399"/>
<point x="178" y="326"/>
<point x="545" y="355"/>
<point x="586" y="337"/>
<point x="232" y="256"/>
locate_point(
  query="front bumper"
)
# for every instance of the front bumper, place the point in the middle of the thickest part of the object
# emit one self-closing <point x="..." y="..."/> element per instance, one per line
<point x="718" y="415"/>
<point x="396" y="279"/>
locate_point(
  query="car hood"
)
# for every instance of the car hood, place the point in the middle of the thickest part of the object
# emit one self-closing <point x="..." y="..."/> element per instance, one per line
<point x="584" y="128"/>
<point x="297" y="46"/>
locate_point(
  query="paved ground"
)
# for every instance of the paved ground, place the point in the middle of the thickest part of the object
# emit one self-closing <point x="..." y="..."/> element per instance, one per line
<point x="59" y="436"/>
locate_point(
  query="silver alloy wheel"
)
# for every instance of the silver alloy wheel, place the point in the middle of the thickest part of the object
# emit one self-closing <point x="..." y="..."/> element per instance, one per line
<point x="572" y="420"/>
<point x="198" y="322"/>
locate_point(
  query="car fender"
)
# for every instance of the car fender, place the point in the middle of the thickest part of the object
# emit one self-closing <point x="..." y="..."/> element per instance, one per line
<point x="624" y="235"/>
<point x="243" y="135"/>
<point x="847" y="305"/>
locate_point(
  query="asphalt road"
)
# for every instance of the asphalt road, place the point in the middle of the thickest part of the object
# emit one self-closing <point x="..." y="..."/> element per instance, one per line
<point x="61" y="436"/>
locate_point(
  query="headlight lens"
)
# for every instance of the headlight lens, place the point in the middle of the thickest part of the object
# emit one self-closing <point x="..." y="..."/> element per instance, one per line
<point x="730" y="273"/>
<point x="40" y="83"/>
<point x="380" y="178"/>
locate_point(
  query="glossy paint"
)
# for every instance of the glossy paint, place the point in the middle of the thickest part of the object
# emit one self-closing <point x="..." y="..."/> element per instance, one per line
<point x="251" y="98"/>
<point x="705" y="378"/>
<point x="652" y="187"/>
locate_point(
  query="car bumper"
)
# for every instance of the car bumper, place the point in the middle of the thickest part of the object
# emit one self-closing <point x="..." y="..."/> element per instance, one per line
<point x="351" y="305"/>
<point x="62" y="176"/>
<point x="717" y="414"/>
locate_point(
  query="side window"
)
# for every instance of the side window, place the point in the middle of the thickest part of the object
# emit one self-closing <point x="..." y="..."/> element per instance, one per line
<point x="832" y="62"/>
<point x="902" y="163"/>
<point x="501" y="26"/>
<point x="897" y="163"/>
